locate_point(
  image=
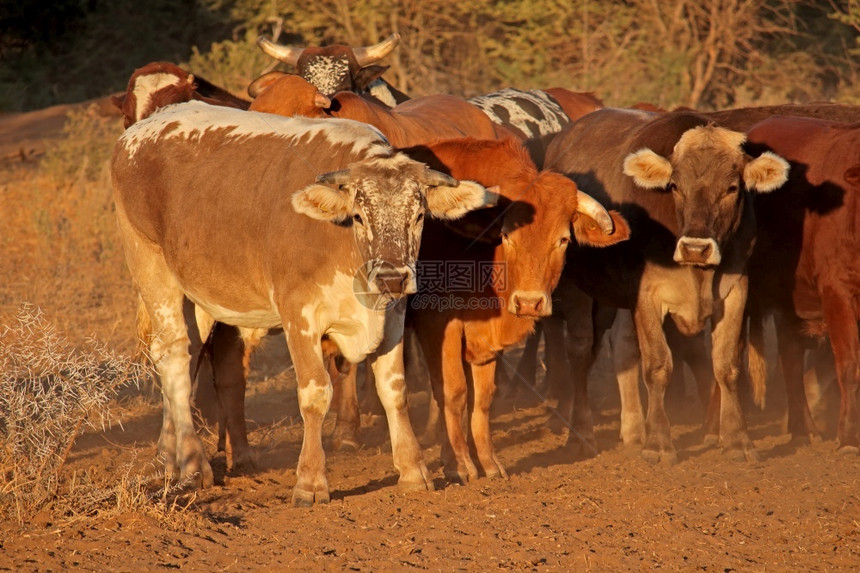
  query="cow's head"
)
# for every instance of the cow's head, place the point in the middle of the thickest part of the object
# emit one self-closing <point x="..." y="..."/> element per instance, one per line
<point x="287" y="95"/>
<point x="385" y="200"/>
<point x="336" y="67"/>
<point x="153" y="86"/>
<point x="710" y="178"/>
<point x="536" y="231"/>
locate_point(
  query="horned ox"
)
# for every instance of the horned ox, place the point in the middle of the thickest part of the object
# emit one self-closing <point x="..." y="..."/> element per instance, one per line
<point x="804" y="267"/>
<point x="269" y="247"/>
<point x="338" y="67"/>
<point x="684" y="185"/>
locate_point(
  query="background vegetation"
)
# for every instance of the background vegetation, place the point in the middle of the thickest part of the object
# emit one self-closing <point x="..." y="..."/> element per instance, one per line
<point x="699" y="53"/>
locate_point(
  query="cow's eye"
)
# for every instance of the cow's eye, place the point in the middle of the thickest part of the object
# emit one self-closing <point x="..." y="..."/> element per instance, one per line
<point x="357" y="219"/>
<point x="505" y="237"/>
<point x="672" y="188"/>
<point x="733" y="188"/>
<point x="562" y="242"/>
<point x="419" y="219"/>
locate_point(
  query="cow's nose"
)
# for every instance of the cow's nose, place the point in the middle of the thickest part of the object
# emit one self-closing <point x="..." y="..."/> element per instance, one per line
<point x="530" y="303"/>
<point x="394" y="281"/>
<point x="696" y="251"/>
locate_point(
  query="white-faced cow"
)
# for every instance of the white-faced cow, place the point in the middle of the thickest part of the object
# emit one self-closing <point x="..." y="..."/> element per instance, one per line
<point x="158" y="84"/>
<point x="338" y="67"/>
<point x="259" y="221"/>
<point x="685" y="186"/>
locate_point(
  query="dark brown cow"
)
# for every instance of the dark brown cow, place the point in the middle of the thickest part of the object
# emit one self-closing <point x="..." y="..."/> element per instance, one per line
<point x="340" y="68"/>
<point x="805" y="267"/>
<point x="684" y="185"/>
<point x="268" y="247"/>
<point x="158" y="84"/>
<point x="485" y="283"/>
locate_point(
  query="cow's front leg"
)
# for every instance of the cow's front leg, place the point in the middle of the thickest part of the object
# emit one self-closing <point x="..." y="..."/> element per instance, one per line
<point x="484" y="381"/>
<point x="725" y="354"/>
<point x="315" y="391"/>
<point x="656" y="370"/>
<point x="387" y="364"/>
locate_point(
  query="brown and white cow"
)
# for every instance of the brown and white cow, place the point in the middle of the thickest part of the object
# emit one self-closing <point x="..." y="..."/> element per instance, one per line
<point x="805" y="266"/>
<point x="685" y="186"/>
<point x="158" y="84"/>
<point x="258" y="221"/>
<point x="487" y="278"/>
<point x="339" y="68"/>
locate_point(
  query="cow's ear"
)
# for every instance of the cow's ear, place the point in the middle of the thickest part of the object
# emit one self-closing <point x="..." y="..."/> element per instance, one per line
<point x="648" y="170"/>
<point x="367" y="75"/>
<point x="447" y="202"/>
<point x="852" y="175"/>
<point x="118" y="100"/>
<point x="322" y="203"/>
<point x="259" y="85"/>
<point x="589" y="233"/>
<point x="766" y="172"/>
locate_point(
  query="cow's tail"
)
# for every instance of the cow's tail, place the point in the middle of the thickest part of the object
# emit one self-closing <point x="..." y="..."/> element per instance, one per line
<point x="757" y="362"/>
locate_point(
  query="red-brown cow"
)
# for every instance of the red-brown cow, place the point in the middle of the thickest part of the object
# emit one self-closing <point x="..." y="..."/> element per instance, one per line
<point x="414" y="122"/>
<point x="511" y="259"/>
<point x="805" y="267"/>
<point x="338" y="67"/>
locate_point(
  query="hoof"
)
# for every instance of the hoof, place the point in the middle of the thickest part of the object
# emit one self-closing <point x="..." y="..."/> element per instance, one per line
<point x="711" y="440"/>
<point x="741" y="455"/>
<point x="346" y="444"/>
<point x="305" y="498"/>
<point x="664" y="458"/>
<point x="848" y="450"/>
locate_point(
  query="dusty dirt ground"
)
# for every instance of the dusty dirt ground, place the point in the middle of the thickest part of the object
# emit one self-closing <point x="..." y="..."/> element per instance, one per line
<point x="796" y="509"/>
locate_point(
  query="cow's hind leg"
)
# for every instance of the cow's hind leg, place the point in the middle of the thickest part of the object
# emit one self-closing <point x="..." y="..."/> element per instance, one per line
<point x="172" y="323"/>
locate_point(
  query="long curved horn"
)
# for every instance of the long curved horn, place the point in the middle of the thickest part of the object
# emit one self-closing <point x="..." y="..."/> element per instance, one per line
<point x="287" y="54"/>
<point x="588" y="205"/>
<point x="437" y="179"/>
<point x="370" y="54"/>
<point x="334" y="177"/>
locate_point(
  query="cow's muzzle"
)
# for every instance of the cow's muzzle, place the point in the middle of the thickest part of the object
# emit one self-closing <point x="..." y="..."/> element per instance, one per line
<point x="534" y="304"/>
<point x="394" y="281"/>
<point x="697" y="251"/>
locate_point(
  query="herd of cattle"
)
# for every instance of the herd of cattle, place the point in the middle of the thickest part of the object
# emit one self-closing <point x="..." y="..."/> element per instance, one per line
<point x="305" y="208"/>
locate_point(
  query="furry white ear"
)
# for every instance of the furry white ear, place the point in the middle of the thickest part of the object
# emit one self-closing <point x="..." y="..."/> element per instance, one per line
<point x="648" y="170"/>
<point x="322" y="203"/>
<point x="445" y="202"/>
<point x="766" y="172"/>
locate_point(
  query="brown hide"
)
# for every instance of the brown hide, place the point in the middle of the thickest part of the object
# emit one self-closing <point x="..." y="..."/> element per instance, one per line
<point x="805" y="266"/>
